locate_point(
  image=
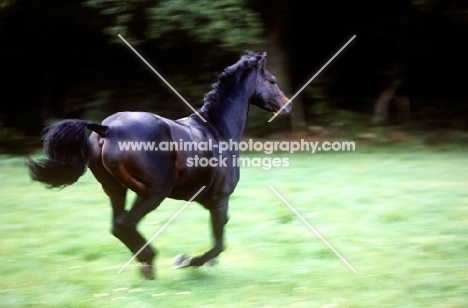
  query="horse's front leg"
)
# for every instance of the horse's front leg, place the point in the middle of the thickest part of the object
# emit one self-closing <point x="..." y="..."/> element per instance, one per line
<point x="219" y="219"/>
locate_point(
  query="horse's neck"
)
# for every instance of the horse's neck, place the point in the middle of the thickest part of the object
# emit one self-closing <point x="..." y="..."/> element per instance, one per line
<point x="230" y="116"/>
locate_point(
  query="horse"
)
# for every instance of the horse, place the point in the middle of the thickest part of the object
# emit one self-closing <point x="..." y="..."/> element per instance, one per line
<point x="156" y="175"/>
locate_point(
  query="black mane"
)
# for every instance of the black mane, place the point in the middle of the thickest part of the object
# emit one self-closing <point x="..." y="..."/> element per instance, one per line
<point x="225" y="80"/>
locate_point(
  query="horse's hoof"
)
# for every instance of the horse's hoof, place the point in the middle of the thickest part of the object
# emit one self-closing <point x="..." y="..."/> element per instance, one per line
<point x="181" y="261"/>
<point x="146" y="270"/>
<point x="212" y="262"/>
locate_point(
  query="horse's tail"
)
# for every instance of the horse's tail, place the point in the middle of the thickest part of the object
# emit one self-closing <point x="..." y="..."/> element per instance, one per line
<point x="68" y="151"/>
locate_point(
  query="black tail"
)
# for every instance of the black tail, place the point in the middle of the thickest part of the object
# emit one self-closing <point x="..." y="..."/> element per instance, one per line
<point x="68" y="152"/>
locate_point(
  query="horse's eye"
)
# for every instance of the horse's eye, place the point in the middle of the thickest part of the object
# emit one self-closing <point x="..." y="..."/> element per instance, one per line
<point x="272" y="81"/>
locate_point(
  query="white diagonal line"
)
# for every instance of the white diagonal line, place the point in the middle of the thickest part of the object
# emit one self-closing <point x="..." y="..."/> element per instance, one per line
<point x="162" y="78"/>
<point x="313" y="230"/>
<point x="310" y="80"/>
<point x="162" y="228"/>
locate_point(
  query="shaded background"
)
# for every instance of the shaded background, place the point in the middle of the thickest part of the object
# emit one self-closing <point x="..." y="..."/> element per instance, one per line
<point x="405" y="69"/>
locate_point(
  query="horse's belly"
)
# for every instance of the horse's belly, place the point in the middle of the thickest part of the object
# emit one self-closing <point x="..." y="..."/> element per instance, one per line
<point x="219" y="184"/>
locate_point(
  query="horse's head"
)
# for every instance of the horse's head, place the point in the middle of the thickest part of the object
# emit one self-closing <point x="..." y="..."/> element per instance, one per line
<point x="267" y="94"/>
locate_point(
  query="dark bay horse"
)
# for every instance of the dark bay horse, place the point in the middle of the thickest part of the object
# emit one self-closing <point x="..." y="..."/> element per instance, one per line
<point x="156" y="175"/>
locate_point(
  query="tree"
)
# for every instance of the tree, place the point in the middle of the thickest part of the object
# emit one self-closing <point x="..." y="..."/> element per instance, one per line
<point x="228" y="23"/>
<point x="66" y="53"/>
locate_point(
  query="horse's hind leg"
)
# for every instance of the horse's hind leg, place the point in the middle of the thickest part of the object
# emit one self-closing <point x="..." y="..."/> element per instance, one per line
<point x="124" y="228"/>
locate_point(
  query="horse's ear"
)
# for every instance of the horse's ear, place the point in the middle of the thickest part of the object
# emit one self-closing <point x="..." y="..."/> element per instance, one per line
<point x="261" y="59"/>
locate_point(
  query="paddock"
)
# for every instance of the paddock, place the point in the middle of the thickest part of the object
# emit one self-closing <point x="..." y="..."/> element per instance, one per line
<point x="398" y="216"/>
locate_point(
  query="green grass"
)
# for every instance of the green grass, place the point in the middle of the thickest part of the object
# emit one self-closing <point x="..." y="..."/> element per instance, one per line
<point x="399" y="217"/>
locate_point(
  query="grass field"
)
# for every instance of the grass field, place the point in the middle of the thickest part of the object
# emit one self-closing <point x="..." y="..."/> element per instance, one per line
<point x="399" y="217"/>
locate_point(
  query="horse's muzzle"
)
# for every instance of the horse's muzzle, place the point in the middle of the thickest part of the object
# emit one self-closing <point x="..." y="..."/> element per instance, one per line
<point x="285" y="101"/>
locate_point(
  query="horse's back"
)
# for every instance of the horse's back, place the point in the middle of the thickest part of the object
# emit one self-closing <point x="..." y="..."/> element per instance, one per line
<point x="132" y="153"/>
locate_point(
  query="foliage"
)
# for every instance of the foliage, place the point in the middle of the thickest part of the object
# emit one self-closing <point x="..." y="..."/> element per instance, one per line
<point x="63" y="59"/>
<point x="228" y="22"/>
<point x="258" y="125"/>
<point x="14" y="141"/>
